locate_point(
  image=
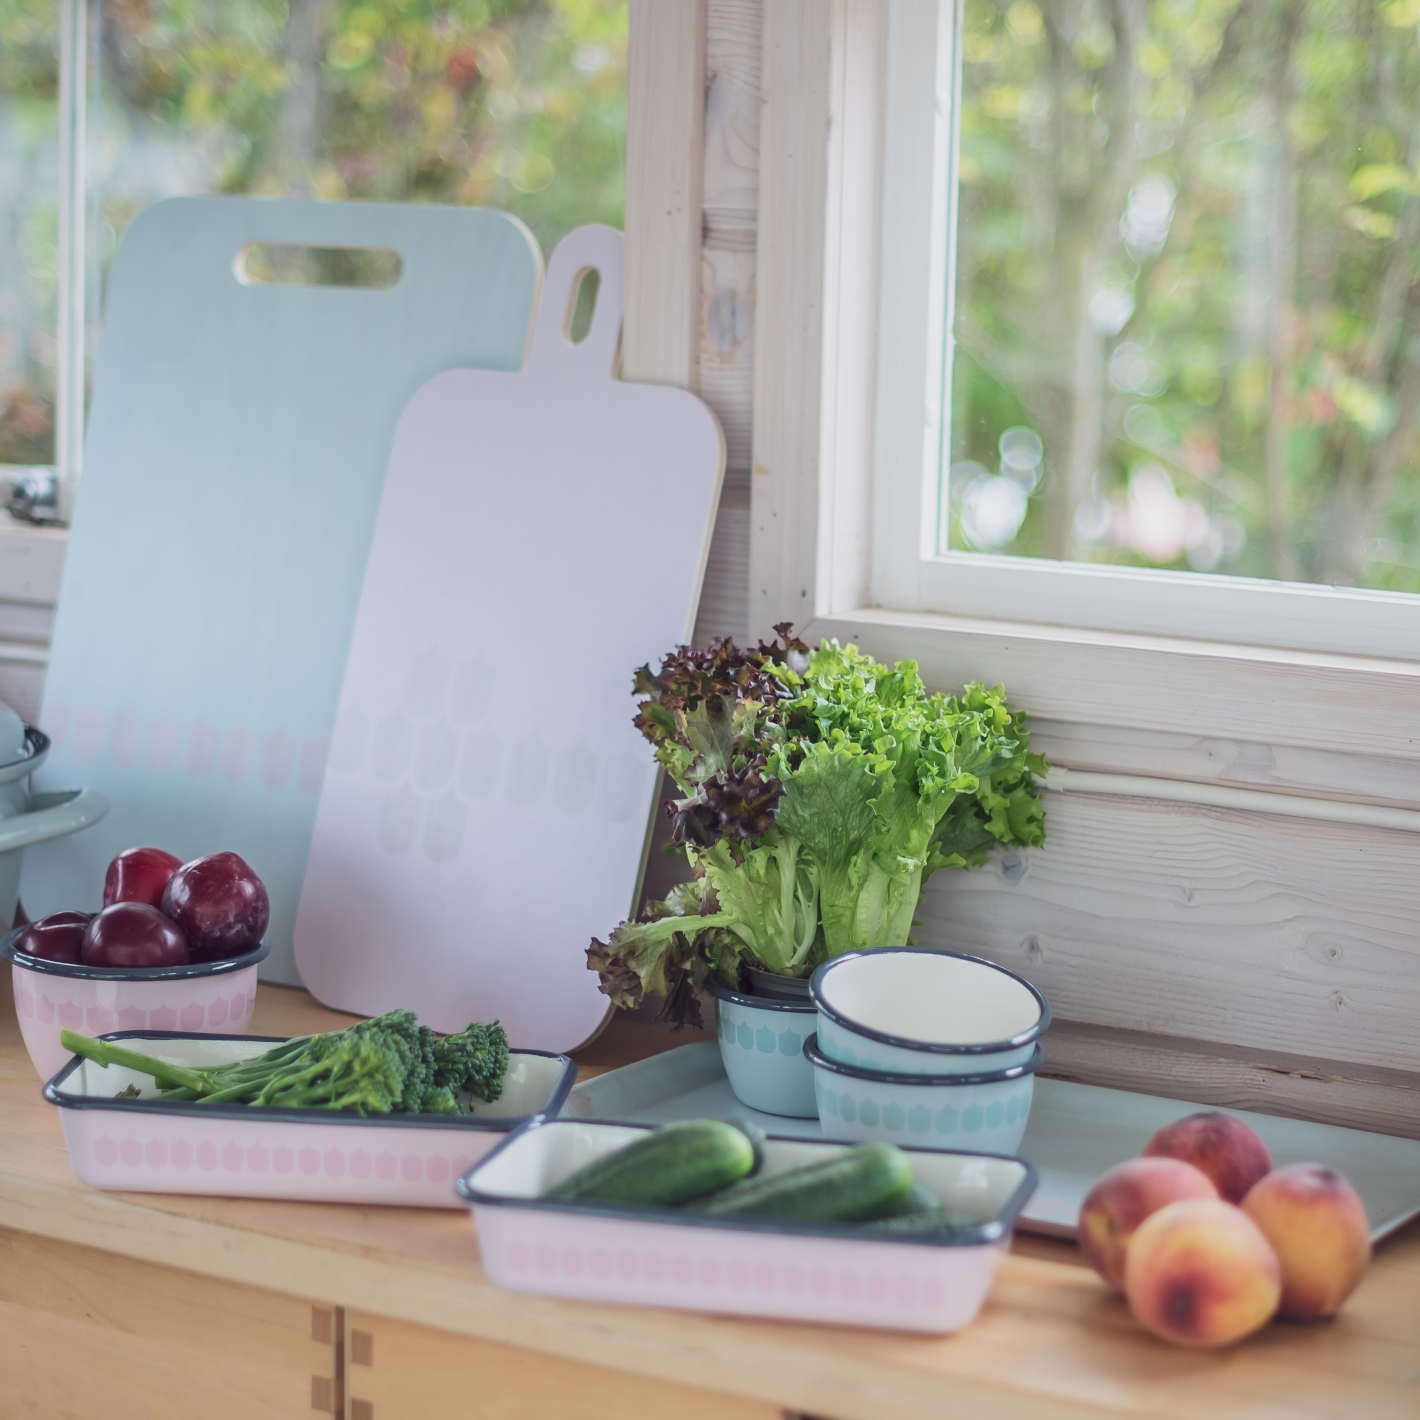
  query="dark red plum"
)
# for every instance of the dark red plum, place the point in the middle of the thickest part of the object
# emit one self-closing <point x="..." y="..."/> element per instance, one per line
<point x="58" y="937"/>
<point x="220" y="903"/>
<point x="139" y="875"/>
<point x="134" y="934"/>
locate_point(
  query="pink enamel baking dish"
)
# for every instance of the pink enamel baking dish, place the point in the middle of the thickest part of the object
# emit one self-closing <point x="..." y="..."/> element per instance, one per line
<point x="162" y="1146"/>
<point x="824" y="1272"/>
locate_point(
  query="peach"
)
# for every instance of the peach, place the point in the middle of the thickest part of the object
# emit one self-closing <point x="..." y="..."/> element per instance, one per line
<point x="1122" y="1198"/>
<point x="1221" y="1146"/>
<point x="1200" y="1273"/>
<point x="1317" y="1226"/>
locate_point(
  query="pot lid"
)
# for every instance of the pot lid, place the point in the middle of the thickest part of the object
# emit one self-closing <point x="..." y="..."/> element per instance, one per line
<point x="12" y="736"/>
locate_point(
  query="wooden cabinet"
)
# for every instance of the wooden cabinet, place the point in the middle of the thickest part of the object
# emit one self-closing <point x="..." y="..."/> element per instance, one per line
<point x="134" y="1306"/>
<point x="85" y="1333"/>
<point x="396" y="1370"/>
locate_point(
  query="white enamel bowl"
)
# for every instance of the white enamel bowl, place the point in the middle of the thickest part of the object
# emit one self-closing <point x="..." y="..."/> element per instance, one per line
<point x="919" y="1012"/>
<point x="985" y="1112"/>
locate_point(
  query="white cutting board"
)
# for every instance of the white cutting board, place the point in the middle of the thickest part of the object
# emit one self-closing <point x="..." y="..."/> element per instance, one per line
<point x="486" y="806"/>
<point x="236" y="446"/>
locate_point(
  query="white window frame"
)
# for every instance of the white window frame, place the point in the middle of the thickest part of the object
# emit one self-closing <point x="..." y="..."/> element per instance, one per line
<point x="32" y="554"/>
<point x="923" y="77"/>
<point x="841" y="551"/>
<point x="73" y="281"/>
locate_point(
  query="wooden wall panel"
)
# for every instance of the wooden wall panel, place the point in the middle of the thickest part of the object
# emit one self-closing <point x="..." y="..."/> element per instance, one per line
<point x="22" y="682"/>
<point x="1324" y="773"/>
<point x="726" y="341"/>
<point x="1272" y="933"/>
<point x="664" y="141"/>
<point x="789" y="324"/>
<point x="725" y="336"/>
<point x="724" y="601"/>
<point x="732" y="99"/>
<point x="692" y="192"/>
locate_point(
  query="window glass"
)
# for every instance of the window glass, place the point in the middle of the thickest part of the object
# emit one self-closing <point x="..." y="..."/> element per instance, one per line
<point x="29" y="228"/>
<point x="516" y="104"/>
<point x="1187" y="305"/>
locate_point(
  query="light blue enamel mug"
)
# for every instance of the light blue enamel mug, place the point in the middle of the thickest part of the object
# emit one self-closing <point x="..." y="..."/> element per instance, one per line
<point x="762" y="1047"/>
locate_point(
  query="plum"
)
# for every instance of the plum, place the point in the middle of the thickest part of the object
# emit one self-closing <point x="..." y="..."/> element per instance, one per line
<point x="58" y="937"/>
<point x="139" y="875"/>
<point x="220" y="903"/>
<point x="134" y="934"/>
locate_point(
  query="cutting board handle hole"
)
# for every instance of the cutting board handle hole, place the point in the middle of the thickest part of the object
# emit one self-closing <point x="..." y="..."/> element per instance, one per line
<point x="581" y="304"/>
<point x="296" y="264"/>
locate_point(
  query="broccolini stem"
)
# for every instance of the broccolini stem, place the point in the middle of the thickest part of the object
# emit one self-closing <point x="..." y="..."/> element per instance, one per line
<point x="105" y="1052"/>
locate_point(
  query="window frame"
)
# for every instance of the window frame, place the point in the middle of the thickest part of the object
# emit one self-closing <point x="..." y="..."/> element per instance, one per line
<point x="73" y="285"/>
<point x="914" y="384"/>
<point x="819" y="523"/>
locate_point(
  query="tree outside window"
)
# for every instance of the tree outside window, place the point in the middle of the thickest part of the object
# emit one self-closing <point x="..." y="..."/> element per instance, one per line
<point x="1188" y="286"/>
<point x="515" y="104"/>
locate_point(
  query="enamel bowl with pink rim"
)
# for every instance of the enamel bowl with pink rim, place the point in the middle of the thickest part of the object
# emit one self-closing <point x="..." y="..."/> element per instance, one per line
<point x="50" y="996"/>
<point x="917" y="1011"/>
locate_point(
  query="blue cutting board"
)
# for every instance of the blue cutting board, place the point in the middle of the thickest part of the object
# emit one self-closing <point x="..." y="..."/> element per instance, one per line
<point x="236" y="449"/>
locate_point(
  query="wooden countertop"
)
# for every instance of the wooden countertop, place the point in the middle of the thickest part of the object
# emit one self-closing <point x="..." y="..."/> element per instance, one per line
<point x="1050" y="1340"/>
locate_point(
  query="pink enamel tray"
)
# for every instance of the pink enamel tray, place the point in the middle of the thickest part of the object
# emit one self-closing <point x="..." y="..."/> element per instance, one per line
<point x="824" y="1272"/>
<point x="161" y="1146"/>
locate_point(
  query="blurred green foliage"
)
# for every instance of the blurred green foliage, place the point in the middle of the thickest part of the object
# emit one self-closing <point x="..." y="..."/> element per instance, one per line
<point x="1189" y="262"/>
<point x="515" y="104"/>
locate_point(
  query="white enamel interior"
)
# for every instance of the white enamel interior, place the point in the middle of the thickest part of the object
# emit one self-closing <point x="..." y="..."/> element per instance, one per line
<point x="537" y="1160"/>
<point x="923" y="996"/>
<point x="528" y="1087"/>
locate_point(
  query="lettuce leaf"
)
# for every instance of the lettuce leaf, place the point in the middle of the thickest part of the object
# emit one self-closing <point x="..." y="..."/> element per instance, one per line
<point x="819" y="792"/>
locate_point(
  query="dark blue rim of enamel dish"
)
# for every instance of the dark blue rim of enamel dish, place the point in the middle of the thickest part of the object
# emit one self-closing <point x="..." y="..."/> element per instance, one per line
<point x="820" y="1061"/>
<point x="934" y="1047"/>
<point x="45" y="967"/>
<point x="765" y="1003"/>
<point x="55" y="1093"/>
<point x="993" y="1230"/>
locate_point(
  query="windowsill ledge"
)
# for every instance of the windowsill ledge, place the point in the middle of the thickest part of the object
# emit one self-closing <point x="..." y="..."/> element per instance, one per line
<point x="1355" y="704"/>
<point x="31" y="560"/>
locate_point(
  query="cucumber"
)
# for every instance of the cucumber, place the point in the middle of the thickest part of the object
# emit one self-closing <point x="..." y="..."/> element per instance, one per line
<point x="922" y="1211"/>
<point x="863" y="1181"/>
<point x="921" y="1224"/>
<point x="665" y="1167"/>
<point x="919" y="1202"/>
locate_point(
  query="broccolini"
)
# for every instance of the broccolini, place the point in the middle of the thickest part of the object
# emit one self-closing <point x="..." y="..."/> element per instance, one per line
<point x="387" y="1064"/>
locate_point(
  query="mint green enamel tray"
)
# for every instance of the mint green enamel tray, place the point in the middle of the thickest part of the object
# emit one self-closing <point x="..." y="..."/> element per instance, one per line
<point x="1075" y="1133"/>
